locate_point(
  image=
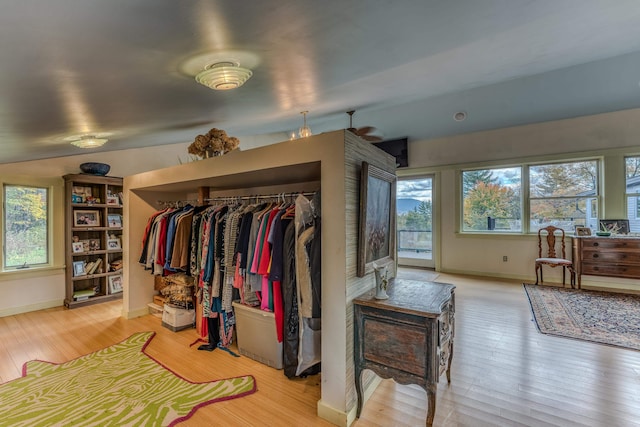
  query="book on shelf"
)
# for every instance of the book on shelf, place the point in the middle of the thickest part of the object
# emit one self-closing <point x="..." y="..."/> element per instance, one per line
<point x="83" y="294"/>
<point x="93" y="266"/>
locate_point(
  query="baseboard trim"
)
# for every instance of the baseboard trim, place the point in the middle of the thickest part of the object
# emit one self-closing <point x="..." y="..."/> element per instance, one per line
<point x="522" y="278"/>
<point x="31" y="307"/>
<point x="333" y="415"/>
<point x="345" y="419"/>
<point x="135" y="313"/>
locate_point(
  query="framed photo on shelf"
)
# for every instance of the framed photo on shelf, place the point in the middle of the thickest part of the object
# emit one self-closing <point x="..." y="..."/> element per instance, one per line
<point x="94" y="244"/>
<point x="114" y="220"/>
<point x="115" y="284"/>
<point x="113" y="200"/>
<point x="78" y="269"/>
<point x="88" y="218"/>
<point x="85" y="245"/>
<point x="583" y="231"/>
<point x="114" y="244"/>
<point x="77" y="247"/>
<point x="80" y="194"/>
<point x="376" y="233"/>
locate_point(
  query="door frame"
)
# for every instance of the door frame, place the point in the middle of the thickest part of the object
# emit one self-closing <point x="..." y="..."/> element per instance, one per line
<point x="432" y="263"/>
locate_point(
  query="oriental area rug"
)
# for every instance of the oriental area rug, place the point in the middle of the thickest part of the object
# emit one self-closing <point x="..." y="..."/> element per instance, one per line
<point x="602" y="317"/>
<point x="116" y="386"/>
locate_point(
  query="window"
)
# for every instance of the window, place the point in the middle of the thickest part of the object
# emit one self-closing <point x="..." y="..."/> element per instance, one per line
<point x="492" y="200"/>
<point x="26" y="225"/>
<point x="632" y="172"/>
<point x="561" y="194"/>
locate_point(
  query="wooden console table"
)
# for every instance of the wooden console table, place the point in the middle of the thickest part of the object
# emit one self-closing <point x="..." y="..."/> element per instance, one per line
<point x="408" y="337"/>
<point x="606" y="256"/>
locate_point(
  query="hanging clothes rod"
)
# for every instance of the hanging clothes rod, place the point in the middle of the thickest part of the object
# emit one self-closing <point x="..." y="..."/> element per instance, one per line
<point x="239" y="198"/>
<point x="259" y="196"/>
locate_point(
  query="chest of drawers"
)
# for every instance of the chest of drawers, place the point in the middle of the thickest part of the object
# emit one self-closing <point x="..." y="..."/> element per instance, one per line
<point x="607" y="256"/>
<point x="408" y="337"/>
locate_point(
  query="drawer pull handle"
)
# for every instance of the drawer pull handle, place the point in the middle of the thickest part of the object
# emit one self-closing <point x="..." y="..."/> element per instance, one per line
<point x="596" y="255"/>
<point x="595" y="244"/>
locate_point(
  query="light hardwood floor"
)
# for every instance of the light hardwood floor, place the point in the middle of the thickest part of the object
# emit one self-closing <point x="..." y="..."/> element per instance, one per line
<point x="504" y="372"/>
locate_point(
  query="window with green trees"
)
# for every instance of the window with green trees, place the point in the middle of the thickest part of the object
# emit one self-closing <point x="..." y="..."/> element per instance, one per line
<point x="561" y="194"/>
<point x="25" y="233"/>
<point x="491" y="200"/>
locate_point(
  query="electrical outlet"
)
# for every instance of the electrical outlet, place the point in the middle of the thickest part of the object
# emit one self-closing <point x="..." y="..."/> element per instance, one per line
<point x="505" y="258"/>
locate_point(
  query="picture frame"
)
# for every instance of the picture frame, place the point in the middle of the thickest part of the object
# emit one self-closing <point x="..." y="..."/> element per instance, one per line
<point x="115" y="284"/>
<point x="80" y="194"/>
<point x="114" y="220"/>
<point x="85" y="245"/>
<point x="114" y="244"/>
<point x="583" y="231"/>
<point x="113" y="200"/>
<point x="77" y="247"/>
<point x="78" y="269"/>
<point x="615" y="226"/>
<point x="94" y="244"/>
<point x="377" y="227"/>
<point x="86" y="218"/>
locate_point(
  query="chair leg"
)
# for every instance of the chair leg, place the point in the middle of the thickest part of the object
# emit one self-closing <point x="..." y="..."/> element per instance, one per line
<point x="563" y="271"/>
<point x="541" y="278"/>
<point x="537" y="267"/>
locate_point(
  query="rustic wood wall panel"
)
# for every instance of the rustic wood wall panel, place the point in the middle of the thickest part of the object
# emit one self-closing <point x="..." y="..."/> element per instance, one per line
<point x="357" y="151"/>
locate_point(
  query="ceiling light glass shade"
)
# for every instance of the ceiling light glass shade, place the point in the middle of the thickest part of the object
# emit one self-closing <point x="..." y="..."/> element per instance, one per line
<point x="89" y="141"/>
<point x="305" y="130"/>
<point x="223" y="76"/>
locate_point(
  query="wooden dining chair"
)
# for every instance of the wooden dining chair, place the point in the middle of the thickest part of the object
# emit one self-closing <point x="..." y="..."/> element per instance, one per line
<point x="552" y="257"/>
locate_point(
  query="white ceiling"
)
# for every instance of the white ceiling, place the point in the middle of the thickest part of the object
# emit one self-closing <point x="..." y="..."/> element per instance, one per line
<point x="74" y="66"/>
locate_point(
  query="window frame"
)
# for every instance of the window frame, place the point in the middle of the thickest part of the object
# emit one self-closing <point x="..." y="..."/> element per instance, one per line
<point x="525" y="195"/>
<point x="54" y="227"/>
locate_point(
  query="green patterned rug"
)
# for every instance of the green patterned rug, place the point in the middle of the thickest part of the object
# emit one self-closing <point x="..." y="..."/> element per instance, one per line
<point x="117" y="386"/>
<point x="603" y="317"/>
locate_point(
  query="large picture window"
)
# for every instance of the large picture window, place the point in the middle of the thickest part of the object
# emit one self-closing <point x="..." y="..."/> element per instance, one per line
<point x="492" y="200"/>
<point x="25" y="232"/>
<point x="561" y="194"/>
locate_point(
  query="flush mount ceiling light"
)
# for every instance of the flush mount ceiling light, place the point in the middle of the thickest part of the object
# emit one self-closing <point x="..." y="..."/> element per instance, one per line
<point x="223" y="76"/>
<point x="223" y="70"/>
<point x="87" y="140"/>
<point x="459" y="116"/>
<point x="305" y="130"/>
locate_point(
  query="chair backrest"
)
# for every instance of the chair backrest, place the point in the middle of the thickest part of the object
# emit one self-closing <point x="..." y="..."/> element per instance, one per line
<point x="549" y="234"/>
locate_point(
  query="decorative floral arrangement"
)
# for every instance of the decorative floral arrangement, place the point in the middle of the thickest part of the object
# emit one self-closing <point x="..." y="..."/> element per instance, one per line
<point x="216" y="142"/>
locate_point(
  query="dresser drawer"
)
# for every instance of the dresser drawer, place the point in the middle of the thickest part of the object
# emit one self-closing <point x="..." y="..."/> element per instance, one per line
<point x="620" y="270"/>
<point x="618" y="256"/>
<point x="610" y="243"/>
